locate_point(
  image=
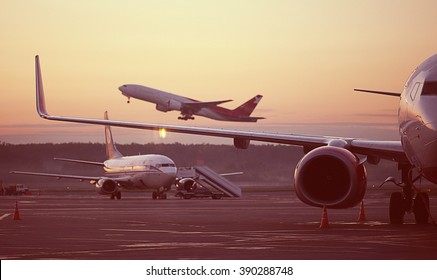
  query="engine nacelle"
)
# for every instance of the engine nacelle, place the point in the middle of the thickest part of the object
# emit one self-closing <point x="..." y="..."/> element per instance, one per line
<point x="162" y="108"/>
<point x="106" y="186"/>
<point x="187" y="184"/>
<point x="170" y="105"/>
<point x="241" y="143"/>
<point x="330" y="176"/>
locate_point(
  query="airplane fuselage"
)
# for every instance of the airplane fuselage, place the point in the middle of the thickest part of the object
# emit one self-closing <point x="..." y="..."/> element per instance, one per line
<point x="144" y="171"/>
<point x="418" y="119"/>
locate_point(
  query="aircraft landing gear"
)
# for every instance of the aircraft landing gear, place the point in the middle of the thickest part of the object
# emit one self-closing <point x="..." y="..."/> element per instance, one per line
<point x="410" y="200"/>
<point x="128" y="100"/>
<point x="116" y="195"/>
<point x="186" y="117"/>
<point x="159" y="194"/>
<point x="421" y="208"/>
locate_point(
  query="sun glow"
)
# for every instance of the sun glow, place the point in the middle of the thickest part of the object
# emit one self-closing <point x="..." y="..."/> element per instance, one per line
<point x="162" y="133"/>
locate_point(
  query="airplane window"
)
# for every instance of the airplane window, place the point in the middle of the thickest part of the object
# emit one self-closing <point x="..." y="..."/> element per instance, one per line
<point x="429" y="88"/>
<point x="165" y="165"/>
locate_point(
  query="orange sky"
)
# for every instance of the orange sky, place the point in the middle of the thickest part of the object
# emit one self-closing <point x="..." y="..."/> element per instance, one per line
<point x="305" y="57"/>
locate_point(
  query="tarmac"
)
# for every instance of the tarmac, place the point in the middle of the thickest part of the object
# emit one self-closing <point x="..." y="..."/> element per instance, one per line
<point x="262" y="225"/>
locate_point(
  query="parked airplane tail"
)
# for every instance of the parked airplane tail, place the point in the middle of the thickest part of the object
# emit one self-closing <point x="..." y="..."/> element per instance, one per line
<point x="111" y="149"/>
<point x="247" y="108"/>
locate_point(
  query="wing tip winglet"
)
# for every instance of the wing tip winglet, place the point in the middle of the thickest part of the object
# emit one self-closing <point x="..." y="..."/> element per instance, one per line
<point x="40" y="99"/>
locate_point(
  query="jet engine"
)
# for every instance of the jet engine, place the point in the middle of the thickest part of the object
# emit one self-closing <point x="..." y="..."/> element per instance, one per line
<point x="169" y="105"/>
<point x="187" y="184"/>
<point x="330" y="176"/>
<point x="241" y="143"/>
<point x="106" y="186"/>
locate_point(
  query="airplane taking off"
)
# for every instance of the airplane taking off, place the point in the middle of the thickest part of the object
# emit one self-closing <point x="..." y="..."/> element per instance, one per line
<point x="331" y="174"/>
<point x="188" y="107"/>
<point x="140" y="172"/>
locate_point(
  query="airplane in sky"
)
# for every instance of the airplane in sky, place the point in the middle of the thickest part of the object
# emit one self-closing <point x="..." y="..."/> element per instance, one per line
<point x="188" y="107"/>
<point x="140" y="172"/>
<point x="331" y="173"/>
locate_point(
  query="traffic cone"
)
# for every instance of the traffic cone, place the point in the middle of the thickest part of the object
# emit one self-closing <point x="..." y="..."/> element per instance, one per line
<point x="324" y="223"/>
<point x="16" y="213"/>
<point x="362" y="216"/>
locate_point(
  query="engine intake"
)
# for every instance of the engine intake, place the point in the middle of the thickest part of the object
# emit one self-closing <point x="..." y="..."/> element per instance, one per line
<point x="330" y="176"/>
<point x="106" y="186"/>
<point x="241" y="143"/>
<point x="186" y="184"/>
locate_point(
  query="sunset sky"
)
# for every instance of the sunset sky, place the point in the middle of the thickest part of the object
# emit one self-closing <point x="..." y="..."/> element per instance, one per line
<point x="305" y="57"/>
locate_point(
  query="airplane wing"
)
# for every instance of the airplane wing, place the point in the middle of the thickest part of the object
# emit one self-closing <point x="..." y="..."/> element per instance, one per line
<point x="389" y="93"/>
<point x="58" y="176"/>
<point x="91" y="179"/>
<point x="200" y="105"/>
<point x="80" y="161"/>
<point x="391" y="150"/>
<point x="193" y="107"/>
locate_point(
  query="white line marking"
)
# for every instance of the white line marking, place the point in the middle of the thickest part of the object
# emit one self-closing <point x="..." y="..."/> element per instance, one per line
<point x="4" y="216"/>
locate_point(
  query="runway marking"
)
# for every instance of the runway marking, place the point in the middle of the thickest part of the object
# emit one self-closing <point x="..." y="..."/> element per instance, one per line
<point x="4" y="216"/>
<point x="169" y="245"/>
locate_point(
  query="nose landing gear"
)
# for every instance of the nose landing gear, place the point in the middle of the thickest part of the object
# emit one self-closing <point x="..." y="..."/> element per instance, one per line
<point x="410" y="200"/>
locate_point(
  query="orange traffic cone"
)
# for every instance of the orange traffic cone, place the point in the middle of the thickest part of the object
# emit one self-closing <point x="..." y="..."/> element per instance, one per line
<point x="324" y="223"/>
<point x="362" y="216"/>
<point x="16" y="213"/>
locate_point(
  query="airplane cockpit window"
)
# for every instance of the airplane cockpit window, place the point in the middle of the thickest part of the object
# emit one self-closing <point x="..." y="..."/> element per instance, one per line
<point x="414" y="91"/>
<point x="410" y="78"/>
<point x="429" y="88"/>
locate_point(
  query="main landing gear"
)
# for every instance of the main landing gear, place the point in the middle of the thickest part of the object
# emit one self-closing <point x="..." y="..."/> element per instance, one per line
<point x="410" y="200"/>
<point x="160" y="193"/>
<point x="186" y="117"/>
<point x="116" y="195"/>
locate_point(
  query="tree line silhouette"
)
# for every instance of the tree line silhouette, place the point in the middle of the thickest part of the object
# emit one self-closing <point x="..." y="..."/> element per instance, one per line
<point x="261" y="164"/>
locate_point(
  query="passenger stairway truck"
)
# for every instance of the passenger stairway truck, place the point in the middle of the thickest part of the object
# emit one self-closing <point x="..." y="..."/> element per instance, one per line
<point x="212" y="179"/>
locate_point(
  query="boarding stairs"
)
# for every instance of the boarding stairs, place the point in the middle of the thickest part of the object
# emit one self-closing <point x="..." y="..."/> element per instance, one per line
<point x="209" y="178"/>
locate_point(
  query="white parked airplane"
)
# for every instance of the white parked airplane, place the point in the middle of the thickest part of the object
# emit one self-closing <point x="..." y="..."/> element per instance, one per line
<point x="188" y="107"/>
<point x="141" y="172"/>
<point x="331" y="174"/>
